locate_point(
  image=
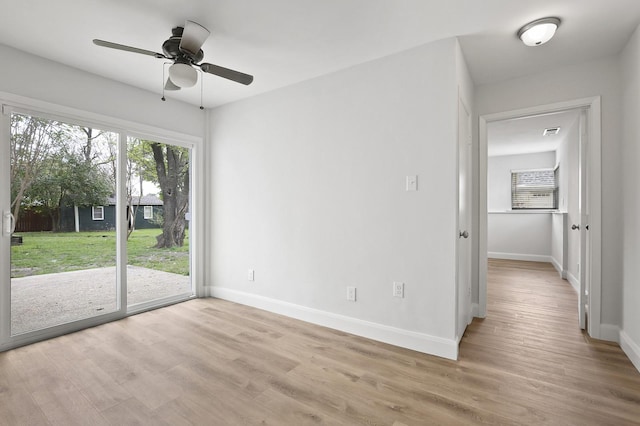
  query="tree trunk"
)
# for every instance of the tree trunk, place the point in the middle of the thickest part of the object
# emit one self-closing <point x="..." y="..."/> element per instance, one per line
<point x="174" y="199"/>
<point x="55" y="220"/>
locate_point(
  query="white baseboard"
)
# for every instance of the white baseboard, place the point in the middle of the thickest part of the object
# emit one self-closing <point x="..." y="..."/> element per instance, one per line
<point x="610" y="333"/>
<point x="631" y="348"/>
<point x="518" y="256"/>
<point x="558" y="266"/>
<point x="432" y="345"/>
<point x="475" y="310"/>
<point x="574" y="282"/>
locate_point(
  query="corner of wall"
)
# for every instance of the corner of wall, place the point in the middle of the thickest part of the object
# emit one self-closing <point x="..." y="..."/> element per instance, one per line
<point x="630" y="67"/>
<point x="631" y="348"/>
<point x="573" y="281"/>
<point x="610" y="333"/>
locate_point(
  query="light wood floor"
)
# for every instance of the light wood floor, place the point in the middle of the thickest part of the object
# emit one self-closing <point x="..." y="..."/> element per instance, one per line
<point x="211" y="362"/>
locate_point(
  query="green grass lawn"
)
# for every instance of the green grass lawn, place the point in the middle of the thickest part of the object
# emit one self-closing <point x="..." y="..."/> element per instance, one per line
<point x="47" y="252"/>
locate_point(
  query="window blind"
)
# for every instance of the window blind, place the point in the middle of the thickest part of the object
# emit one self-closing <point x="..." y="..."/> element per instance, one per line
<point x="534" y="189"/>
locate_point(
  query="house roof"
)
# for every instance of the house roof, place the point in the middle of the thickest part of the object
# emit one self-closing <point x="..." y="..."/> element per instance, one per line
<point x="283" y="42"/>
<point x="146" y="200"/>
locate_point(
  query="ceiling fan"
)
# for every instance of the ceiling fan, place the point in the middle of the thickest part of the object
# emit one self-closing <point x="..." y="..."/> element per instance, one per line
<point x="184" y="49"/>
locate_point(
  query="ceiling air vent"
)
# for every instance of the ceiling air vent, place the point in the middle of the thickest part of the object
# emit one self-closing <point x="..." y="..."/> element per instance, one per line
<point x="551" y="131"/>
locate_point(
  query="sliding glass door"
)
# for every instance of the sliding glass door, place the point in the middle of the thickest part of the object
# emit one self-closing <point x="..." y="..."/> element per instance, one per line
<point x="63" y="204"/>
<point x="158" y="199"/>
<point x="95" y="225"/>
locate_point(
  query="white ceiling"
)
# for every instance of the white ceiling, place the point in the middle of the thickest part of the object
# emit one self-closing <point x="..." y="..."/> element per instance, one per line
<point x="525" y="135"/>
<point x="282" y="42"/>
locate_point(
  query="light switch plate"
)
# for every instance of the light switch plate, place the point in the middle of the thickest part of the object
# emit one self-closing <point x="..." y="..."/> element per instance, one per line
<point x="351" y="294"/>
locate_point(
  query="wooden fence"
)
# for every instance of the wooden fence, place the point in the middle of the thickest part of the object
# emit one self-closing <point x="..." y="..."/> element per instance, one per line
<point x="30" y="221"/>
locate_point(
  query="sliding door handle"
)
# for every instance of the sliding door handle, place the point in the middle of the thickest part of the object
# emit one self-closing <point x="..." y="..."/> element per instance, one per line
<point x="8" y="223"/>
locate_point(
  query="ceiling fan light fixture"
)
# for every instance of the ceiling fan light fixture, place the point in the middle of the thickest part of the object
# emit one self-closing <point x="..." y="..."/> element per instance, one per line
<point x="539" y="31"/>
<point x="183" y="75"/>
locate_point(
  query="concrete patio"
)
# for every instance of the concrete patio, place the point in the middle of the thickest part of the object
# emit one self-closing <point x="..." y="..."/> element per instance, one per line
<point x="41" y="301"/>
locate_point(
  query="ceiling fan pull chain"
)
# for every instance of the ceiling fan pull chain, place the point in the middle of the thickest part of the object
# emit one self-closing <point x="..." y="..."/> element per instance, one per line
<point x="201" y="89"/>
<point x="163" y="80"/>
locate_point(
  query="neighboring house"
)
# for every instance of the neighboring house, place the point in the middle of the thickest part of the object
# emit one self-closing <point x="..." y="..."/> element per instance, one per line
<point x="148" y="212"/>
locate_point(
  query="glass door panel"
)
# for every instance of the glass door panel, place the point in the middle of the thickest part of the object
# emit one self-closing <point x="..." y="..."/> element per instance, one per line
<point x="158" y="198"/>
<point x="63" y="249"/>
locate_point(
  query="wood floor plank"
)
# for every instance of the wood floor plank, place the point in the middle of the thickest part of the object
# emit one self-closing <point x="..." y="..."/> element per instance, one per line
<point x="17" y="406"/>
<point x="212" y="362"/>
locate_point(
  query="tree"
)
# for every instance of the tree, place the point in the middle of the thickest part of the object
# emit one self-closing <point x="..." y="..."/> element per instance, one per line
<point x="65" y="180"/>
<point x="55" y="165"/>
<point x="139" y="161"/>
<point x="172" y="173"/>
<point x="87" y="150"/>
<point x="32" y="141"/>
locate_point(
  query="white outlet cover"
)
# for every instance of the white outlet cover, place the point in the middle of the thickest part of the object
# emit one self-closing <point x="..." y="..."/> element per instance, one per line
<point x="398" y="289"/>
<point x="412" y="183"/>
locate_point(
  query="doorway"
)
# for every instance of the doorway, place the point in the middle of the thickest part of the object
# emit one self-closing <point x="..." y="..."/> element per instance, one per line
<point x="589" y="220"/>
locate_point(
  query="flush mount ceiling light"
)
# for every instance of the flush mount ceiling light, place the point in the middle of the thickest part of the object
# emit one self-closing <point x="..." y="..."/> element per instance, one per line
<point x="538" y="32"/>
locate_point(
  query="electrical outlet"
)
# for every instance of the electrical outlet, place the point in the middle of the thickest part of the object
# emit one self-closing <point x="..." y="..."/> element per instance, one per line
<point x="412" y="183"/>
<point x="398" y="289"/>
<point x="351" y="294"/>
<point x="251" y="275"/>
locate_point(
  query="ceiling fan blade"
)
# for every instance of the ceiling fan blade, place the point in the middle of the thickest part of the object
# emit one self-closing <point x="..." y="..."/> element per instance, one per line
<point x="170" y="85"/>
<point x="127" y="48"/>
<point x="193" y="37"/>
<point x="236" y="76"/>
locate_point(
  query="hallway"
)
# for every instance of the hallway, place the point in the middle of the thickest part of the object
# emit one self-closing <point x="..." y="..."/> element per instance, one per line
<point x="533" y="357"/>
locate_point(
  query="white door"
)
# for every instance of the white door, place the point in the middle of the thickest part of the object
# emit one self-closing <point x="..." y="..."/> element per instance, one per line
<point x="582" y="227"/>
<point x="464" y="214"/>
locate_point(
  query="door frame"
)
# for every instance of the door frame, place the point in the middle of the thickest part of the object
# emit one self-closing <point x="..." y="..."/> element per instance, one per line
<point x="594" y="175"/>
<point x="123" y="128"/>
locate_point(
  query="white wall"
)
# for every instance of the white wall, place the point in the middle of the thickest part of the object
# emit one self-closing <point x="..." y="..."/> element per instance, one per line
<point x="600" y="77"/>
<point x="516" y="235"/>
<point x="519" y="236"/>
<point x="630" y="335"/>
<point x="308" y="189"/>
<point x="499" y="175"/>
<point x="37" y="78"/>
<point x="568" y="160"/>
<point x="559" y="243"/>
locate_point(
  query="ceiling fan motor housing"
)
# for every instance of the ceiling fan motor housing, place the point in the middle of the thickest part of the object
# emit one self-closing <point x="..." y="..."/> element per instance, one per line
<point x="171" y="48"/>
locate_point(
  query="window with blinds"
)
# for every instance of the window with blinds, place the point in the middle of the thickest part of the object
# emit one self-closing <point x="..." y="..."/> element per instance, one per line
<point x="534" y="189"/>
